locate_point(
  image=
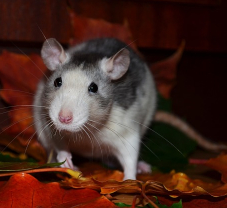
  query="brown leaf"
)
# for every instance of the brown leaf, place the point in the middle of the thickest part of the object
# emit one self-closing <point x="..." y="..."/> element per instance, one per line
<point x="98" y="172"/>
<point x="165" y="72"/>
<point x="87" y="28"/>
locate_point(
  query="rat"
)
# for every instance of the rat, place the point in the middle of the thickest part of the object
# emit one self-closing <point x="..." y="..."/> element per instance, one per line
<point x="96" y="101"/>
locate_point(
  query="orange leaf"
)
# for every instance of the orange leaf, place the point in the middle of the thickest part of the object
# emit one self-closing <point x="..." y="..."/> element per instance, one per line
<point x="23" y="190"/>
<point x="165" y="72"/>
<point x="87" y="28"/>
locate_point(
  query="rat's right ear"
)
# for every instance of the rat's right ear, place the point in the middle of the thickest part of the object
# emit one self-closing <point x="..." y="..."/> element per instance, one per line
<point x="53" y="54"/>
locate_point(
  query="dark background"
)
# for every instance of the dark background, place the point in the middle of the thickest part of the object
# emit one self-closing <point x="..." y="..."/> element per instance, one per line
<point x="158" y="28"/>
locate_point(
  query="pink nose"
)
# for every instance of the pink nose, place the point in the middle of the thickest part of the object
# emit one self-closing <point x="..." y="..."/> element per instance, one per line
<point x="65" y="117"/>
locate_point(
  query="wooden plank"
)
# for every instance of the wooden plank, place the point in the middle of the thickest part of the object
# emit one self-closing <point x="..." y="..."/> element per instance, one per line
<point x="20" y="20"/>
<point x="162" y="25"/>
<point x="158" y="25"/>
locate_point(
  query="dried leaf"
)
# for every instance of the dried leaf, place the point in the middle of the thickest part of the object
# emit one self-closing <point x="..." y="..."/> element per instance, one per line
<point x="98" y="172"/>
<point x="165" y="72"/>
<point x="19" y="76"/>
<point x="87" y="28"/>
<point x="220" y="164"/>
<point x="172" y="184"/>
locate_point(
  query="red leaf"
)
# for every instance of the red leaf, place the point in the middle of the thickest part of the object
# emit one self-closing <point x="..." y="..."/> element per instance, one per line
<point x="23" y="190"/>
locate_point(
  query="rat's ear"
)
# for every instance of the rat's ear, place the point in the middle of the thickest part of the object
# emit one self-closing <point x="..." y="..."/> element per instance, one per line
<point x="116" y="66"/>
<point x="52" y="53"/>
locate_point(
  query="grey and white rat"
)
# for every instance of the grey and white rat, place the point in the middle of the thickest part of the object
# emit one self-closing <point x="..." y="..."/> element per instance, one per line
<point x="97" y="101"/>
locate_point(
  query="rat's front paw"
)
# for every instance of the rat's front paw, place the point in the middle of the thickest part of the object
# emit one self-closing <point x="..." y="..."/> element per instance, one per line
<point x="143" y="167"/>
<point x="67" y="157"/>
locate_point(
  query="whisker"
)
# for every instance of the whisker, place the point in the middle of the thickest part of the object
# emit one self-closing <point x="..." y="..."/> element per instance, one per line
<point x="92" y="144"/>
<point x="9" y="111"/>
<point x="16" y="137"/>
<point x="44" y="36"/>
<point x="29" y="140"/>
<point x="116" y="133"/>
<point x="140" y="140"/>
<point x="96" y="140"/>
<point x="17" y="106"/>
<point x="25" y="92"/>
<point x="46" y="125"/>
<point x="147" y="127"/>
<point x="32" y="61"/>
<point x="15" y="123"/>
<point x="100" y="133"/>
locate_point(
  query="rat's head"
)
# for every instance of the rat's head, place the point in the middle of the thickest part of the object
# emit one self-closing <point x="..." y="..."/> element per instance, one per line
<point x="79" y="94"/>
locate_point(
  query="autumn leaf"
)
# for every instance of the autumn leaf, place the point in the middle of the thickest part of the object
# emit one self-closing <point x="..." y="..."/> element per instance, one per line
<point x="164" y="72"/>
<point x="171" y="184"/>
<point x="87" y="28"/>
<point x="23" y="190"/>
<point x="220" y="164"/>
<point x="19" y="75"/>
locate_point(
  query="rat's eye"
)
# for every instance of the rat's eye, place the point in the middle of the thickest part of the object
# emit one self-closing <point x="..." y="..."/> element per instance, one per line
<point x="93" y="87"/>
<point x="58" y="82"/>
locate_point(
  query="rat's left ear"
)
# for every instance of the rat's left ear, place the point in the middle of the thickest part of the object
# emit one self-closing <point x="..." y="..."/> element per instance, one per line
<point x="116" y="66"/>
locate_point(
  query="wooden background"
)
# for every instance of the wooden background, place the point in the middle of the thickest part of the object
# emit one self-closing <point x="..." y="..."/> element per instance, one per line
<point x="158" y="27"/>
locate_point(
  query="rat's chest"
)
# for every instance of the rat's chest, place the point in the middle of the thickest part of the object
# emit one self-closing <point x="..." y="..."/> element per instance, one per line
<point x="115" y="134"/>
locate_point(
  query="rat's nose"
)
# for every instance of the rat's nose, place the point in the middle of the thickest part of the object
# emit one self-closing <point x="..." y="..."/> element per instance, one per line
<point x="65" y="116"/>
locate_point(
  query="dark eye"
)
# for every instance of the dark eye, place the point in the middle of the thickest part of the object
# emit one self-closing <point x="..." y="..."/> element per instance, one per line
<point x="93" y="87"/>
<point x="58" y="82"/>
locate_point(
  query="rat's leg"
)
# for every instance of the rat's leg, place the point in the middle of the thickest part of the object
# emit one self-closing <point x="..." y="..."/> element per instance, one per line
<point x="128" y="153"/>
<point x="63" y="154"/>
<point x="143" y="167"/>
